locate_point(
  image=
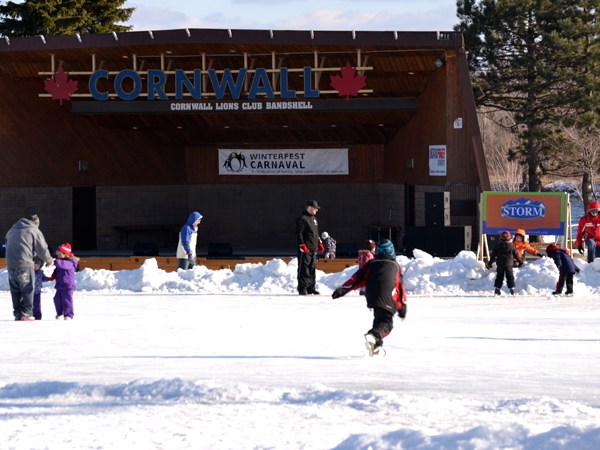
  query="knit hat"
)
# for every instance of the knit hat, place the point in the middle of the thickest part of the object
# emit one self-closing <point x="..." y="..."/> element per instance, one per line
<point x="35" y="219"/>
<point x="65" y="248"/>
<point x="370" y="245"/>
<point x="550" y="249"/>
<point x="324" y="235"/>
<point x="385" y="247"/>
<point x="38" y="261"/>
<point x="505" y="236"/>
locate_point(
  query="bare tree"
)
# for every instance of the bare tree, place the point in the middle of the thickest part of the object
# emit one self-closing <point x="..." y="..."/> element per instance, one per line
<point x="506" y="173"/>
<point x="576" y="152"/>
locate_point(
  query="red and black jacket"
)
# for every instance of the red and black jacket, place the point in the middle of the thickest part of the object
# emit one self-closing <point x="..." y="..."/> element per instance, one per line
<point x="383" y="279"/>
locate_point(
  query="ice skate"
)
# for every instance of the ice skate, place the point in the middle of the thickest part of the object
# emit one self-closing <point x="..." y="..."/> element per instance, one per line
<point x="512" y="291"/>
<point x="379" y="351"/>
<point x="370" y="342"/>
<point x="569" y="294"/>
<point x="497" y="293"/>
<point x="556" y="294"/>
<point x="59" y="317"/>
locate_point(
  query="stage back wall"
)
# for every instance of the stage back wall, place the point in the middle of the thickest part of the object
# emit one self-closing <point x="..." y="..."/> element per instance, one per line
<point x="90" y="167"/>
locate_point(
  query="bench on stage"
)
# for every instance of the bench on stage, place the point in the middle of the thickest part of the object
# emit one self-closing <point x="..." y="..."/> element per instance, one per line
<point x="169" y="263"/>
<point x="170" y="230"/>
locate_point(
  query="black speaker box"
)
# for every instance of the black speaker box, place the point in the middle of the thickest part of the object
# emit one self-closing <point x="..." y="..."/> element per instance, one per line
<point x="438" y="241"/>
<point x="145" y="249"/>
<point x="220" y="249"/>
<point x="437" y="209"/>
<point x="457" y="239"/>
<point x="346" y="250"/>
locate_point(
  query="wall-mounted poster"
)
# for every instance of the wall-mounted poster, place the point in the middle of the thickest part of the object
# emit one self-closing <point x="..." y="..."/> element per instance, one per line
<point x="437" y="160"/>
<point x="325" y="161"/>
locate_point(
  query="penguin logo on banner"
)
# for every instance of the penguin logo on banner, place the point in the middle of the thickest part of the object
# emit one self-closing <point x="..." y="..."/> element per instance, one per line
<point x="235" y="163"/>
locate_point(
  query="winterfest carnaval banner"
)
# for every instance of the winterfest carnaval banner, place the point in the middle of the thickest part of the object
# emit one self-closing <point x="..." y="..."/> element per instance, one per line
<point x="328" y="161"/>
<point x="540" y="213"/>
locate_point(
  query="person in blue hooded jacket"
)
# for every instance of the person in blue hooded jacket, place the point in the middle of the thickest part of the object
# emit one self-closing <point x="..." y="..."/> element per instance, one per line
<point x="566" y="267"/>
<point x="186" y="249"/>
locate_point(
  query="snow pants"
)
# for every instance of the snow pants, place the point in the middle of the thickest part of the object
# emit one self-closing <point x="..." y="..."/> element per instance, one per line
<point x="22" y="285"/>
<point x="37" y="306"/>
<point x="307" y="268"/>
<point x="510" y="277"/>
<point x="593" y="251"/>
<point x="383" y="323"/>
<point x="63" y="301"/>
<point x="568" y="277"/>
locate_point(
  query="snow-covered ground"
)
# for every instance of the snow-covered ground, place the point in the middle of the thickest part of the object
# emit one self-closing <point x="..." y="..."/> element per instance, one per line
<point x="237" y="360"/>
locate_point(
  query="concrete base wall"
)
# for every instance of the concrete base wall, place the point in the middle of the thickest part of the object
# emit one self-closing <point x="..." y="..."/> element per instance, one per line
<point x="260" y="215"/>
<point x="54" y="206"/>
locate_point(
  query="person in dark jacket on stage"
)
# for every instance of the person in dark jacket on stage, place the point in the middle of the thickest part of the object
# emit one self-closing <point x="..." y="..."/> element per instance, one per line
<point x="309" y="243"/>
<point x="385" y="294"/>
<point x="566" y="266"/>
<point x="506" y="254"/>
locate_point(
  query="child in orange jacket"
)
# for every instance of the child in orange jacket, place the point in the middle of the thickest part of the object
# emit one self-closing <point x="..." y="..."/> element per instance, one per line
<point x="523" y="246"/>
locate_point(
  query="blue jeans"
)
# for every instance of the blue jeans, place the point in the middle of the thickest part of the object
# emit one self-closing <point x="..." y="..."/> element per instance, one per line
<point x="186" y="264"/>
<point x="22" y="284"/>
<point x="593" y="250"/>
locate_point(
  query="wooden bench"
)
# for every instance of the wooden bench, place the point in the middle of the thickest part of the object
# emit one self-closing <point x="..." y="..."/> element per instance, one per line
<point x="335" y="265"/>
<point x="169" y="263"/>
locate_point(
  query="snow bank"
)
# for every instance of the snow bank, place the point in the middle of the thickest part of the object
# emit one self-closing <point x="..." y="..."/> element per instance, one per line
<point x="423" y="275"/>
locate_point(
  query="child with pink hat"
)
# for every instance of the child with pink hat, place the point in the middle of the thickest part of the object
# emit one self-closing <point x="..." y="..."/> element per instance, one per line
<point x="65" y="263"/>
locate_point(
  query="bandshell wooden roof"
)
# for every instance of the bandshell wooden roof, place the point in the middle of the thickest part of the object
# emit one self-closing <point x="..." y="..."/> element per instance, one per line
<point x="402" y="63"/>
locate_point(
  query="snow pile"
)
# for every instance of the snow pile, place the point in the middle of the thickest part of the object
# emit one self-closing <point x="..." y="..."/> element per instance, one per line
<point x="423" y="275"/>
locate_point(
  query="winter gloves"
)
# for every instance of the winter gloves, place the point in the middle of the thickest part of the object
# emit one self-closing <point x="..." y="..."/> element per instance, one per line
<point x="402" y="311"/>
<point x="580" y="249"/>
<point x="339" y="292"/>
<point x="304" y="248"/>
<point x="190" y="256"/>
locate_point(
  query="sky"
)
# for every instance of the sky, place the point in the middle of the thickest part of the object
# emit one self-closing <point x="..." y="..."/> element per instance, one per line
<point x="371" y="15"/>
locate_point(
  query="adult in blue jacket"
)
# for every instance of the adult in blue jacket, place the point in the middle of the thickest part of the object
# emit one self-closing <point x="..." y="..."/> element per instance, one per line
<point x="186" y="249"/>
<point x="566" y="266"/>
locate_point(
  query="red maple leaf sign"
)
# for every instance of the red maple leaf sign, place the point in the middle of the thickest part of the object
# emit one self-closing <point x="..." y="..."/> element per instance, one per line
<point x="347" y="84"/>
<point x="61" y="88"/>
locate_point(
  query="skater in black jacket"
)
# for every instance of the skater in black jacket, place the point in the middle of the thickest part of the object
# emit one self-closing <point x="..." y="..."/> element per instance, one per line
<point x="385" y="294"/>
<point x="505" y="253"/>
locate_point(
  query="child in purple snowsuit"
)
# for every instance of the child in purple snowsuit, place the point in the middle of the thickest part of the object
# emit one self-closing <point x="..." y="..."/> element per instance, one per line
<point x="65" y="263"/>
<point x="37" y="293"/>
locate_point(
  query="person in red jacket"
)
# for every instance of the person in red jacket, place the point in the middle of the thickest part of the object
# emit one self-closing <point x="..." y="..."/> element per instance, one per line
<point x="588" y="231"/>
<point x="385" y="293"/>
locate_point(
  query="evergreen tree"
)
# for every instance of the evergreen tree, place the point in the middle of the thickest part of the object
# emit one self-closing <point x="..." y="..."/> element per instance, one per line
<point x="57" y="17"/>
<point x="510" y="62"/>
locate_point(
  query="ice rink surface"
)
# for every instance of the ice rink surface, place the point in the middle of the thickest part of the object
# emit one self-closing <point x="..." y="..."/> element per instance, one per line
<point x="280" y="371"/>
